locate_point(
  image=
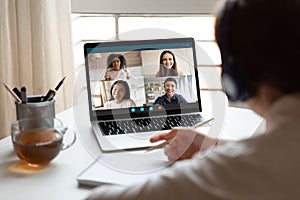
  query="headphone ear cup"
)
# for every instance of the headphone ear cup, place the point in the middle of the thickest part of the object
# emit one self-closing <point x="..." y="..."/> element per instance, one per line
<point x="233" y="86"/>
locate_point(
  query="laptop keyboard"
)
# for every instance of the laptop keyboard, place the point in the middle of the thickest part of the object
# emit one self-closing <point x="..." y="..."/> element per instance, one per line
<point x="149" y="124"/>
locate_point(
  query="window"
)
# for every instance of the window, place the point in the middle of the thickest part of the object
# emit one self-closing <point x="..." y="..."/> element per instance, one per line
<point x="102" y="27"/>
<point x="115" y="23"/>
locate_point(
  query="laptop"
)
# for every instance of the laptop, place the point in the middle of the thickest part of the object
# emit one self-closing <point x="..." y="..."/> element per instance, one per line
<point x="144" y="109"/>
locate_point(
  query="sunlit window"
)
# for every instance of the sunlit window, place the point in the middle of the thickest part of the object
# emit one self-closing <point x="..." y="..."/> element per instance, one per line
<point x="103" y="27"/>
<point x="97" y="27"/>
<point x="200" y="28"/>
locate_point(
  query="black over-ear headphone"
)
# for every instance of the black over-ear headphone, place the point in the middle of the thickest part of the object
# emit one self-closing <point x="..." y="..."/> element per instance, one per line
<point x="233" y="82"/>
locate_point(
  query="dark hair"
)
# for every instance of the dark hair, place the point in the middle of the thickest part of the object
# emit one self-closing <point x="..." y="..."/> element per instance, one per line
<point x="170" y="79"/>
<point x="162" y="70"/>
<point x="264" y="38"/>
<point x="127" y="90"/>
<point x="111" y="57"/>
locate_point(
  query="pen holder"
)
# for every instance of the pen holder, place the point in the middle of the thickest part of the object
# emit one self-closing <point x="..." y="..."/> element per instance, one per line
<point x="35" y="108"/>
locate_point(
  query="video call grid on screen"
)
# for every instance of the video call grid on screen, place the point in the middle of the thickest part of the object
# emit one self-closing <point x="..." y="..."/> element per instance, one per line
<point x="142" y="63"/>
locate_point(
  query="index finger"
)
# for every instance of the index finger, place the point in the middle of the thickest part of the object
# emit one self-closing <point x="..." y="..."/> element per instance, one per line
<point x="164" y="136"/>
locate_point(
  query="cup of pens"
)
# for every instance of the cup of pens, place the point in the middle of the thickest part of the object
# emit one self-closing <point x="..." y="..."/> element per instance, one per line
<point x="37" y="135"/>
<point x="34" y="106"/>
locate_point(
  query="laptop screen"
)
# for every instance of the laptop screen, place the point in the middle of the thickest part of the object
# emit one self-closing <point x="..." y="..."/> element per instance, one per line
<point x="142" y="78"/>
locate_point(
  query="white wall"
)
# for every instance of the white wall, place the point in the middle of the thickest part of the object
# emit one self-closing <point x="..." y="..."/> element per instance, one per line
<point x="144" y="7"/>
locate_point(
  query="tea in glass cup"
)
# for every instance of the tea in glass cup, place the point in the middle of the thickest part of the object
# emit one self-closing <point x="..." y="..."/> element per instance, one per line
<point x="37" y="141"/>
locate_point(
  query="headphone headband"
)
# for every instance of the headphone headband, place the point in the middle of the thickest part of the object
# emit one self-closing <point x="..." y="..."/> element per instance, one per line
<point x="233" y="81"/>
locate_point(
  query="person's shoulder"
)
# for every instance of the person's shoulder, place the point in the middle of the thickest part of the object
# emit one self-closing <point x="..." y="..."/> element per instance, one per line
<point x="110" y="70"/>
<point x="123" y="71"/>
<point x="132" y="102"/>
<point x="180" y="98"/>
<point x="157" y="74"/>
<point x="178" y="95"/>
<point x="107" y="104"/>
<point x="160" y="98"/>
<point x="128" y="102"/>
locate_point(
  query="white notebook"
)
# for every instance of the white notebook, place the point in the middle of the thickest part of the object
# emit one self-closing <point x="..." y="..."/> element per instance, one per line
<point x="133" y="169"/>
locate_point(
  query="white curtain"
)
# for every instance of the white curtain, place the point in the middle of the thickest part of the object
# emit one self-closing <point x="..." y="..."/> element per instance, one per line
<point x="35" y="51"/>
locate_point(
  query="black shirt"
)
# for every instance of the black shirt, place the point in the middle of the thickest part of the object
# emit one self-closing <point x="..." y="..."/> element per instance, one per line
<point x="163" y="100"/>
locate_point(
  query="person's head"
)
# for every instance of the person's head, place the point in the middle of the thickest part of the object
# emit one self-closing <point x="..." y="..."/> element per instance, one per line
<point x="260" y="45"/>
<point x="170" y="85"/>
<point x="119" y="91"/>
<point x="116" y="62"/>
<point x="168" y="65"/>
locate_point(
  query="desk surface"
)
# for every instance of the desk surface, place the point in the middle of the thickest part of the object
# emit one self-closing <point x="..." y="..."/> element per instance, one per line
<point x="56" y="182"/>
<point x="59" y="180"/>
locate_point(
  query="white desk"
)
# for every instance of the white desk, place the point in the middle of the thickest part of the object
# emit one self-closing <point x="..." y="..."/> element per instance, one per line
<point x="56" y="182"/>
<point x="59" y="180"/>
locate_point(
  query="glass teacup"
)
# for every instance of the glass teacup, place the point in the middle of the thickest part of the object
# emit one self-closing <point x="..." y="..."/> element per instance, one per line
<point x="37" y="141"/>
